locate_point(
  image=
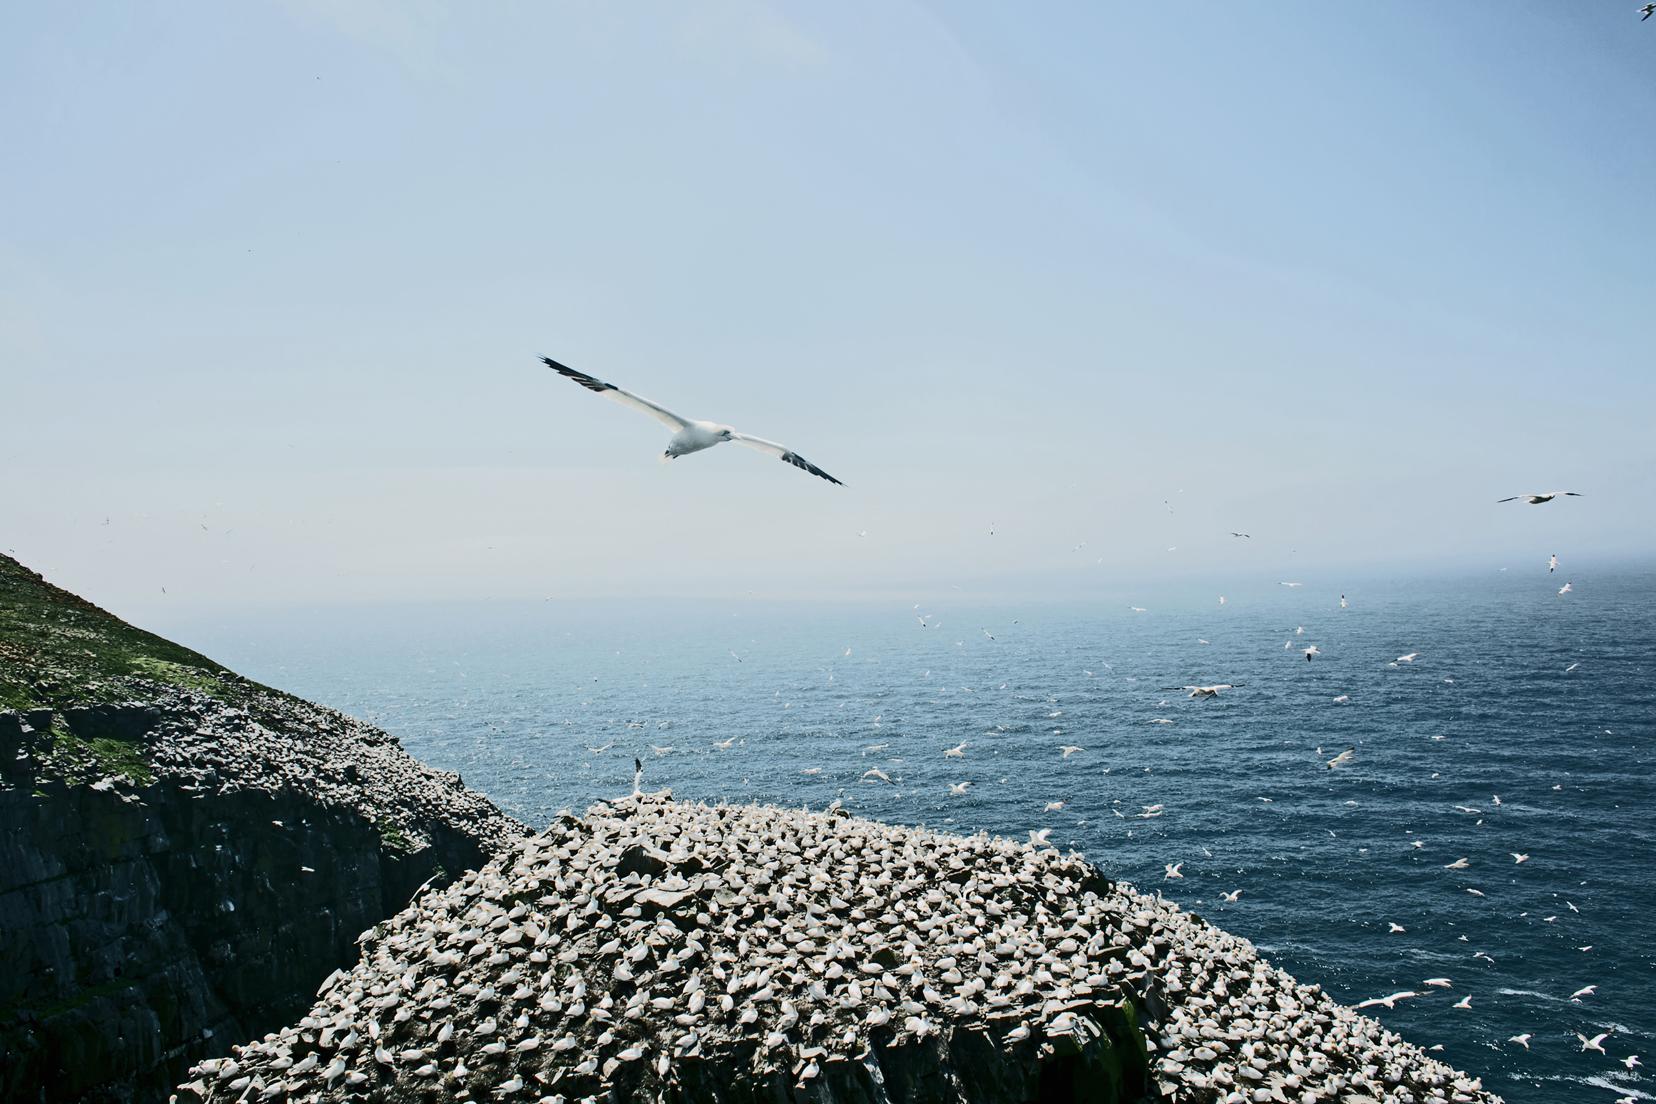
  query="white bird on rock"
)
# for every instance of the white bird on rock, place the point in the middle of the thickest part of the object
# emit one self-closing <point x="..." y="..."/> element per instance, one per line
<point x="689" y="435"/>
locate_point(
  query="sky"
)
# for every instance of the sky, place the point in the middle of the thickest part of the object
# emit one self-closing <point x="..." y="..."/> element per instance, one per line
<point x="1064" y="297"/>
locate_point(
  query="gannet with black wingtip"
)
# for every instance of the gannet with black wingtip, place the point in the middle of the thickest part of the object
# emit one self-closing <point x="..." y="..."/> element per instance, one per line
<point x="1206" y="691"/>
<point x="689" y="435"/>
<point x="1538" y="499"/>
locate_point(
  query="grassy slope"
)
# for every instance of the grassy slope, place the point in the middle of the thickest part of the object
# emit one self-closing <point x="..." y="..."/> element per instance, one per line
<point x="58" y="650"/>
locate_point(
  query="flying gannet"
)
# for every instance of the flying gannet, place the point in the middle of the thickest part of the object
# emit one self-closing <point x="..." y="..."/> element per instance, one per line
<point x="689" y="435"/>
<point x="1538" y="499"/>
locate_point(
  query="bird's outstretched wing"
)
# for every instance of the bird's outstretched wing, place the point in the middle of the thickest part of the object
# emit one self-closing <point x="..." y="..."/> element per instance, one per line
<point x="782" y="452"/>
<point x="625" y="398"/>
<point x="1512" y="498"/>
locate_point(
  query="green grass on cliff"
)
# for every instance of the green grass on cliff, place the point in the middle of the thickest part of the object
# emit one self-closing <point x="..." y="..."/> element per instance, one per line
<point x="58" y="650"/>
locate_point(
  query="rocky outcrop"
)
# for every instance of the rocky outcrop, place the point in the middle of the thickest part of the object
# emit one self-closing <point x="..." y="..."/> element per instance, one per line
<point x="182" y="865"/>
<point x="661" y="950"/>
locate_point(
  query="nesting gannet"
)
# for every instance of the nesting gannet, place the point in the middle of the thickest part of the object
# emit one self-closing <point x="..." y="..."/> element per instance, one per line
<point x="689" y="435"/>
<point x="1538" y="499"/>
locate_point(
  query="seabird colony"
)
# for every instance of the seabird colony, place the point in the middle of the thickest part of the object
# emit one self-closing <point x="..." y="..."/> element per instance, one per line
<point x="656" y="949"/>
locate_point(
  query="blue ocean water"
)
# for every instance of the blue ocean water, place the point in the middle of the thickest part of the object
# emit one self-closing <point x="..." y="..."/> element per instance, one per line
<point x="1524" y="726"/>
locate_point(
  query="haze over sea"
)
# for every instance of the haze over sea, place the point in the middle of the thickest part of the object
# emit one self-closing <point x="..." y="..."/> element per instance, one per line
<point x="1488" y="744"/>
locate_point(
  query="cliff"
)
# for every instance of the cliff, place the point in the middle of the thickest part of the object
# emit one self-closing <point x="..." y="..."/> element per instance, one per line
<point x="185" y="854"/>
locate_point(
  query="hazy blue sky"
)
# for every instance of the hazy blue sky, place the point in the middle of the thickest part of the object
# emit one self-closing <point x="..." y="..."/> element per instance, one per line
<point x="274" y="279"/>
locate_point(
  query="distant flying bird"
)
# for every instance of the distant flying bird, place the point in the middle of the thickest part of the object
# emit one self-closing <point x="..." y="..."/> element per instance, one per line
<point x="1343" y="758"/>
<point x="1342" y="602"/>
<point x="1464" y="1002"/>
<point x="1070" y="749"/>
<point x="1584" y="991"/>
<point x="956" y="752"/>
<point x="958" y="788"/>
<point x="1172" y="870"/>
<point x="1342" y="699"/>
<point x="1552" y="563"/>
<point x="1205" y="692"/>
<point x="1410" y="658"/>
<point x="1291" y="584"/>
<point x="1521" y="1040"/>
<point x="1458" y="864"/>
<point x="1244" y="536"/>
<point x="1518" y="857"/>
<point x="689" y="435"/>
<point x="1566" y="588"/>
<point x="1313" y="650"/>
<point x="875" y="774"/>
<point x="1595" y="1043"/>
<point x="1538" y="499"/>
<point x="1646" y="12"/>
<point x="1230" y="898"/>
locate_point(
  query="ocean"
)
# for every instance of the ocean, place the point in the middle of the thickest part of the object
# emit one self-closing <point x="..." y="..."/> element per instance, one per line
<point x="1523" y="727"/>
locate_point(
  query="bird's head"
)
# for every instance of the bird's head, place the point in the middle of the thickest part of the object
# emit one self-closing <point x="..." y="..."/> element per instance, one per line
<point x="726" y="433"/>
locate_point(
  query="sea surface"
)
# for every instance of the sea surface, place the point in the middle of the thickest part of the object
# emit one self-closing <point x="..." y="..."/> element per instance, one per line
<point x="1524" y="726"/>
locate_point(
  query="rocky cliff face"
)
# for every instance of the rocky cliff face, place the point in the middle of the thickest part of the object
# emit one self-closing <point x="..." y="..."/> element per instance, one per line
<point x="185" y="855"/>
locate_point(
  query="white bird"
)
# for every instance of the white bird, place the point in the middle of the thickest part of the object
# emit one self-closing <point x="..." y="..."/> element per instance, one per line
<point x="875" y="773"/>
<point x="1464" y="1002"/>
<point x="689" y="435"/>
<point x="1518" y="856"/>
<point x="1394" y="927"/>
<point x="1632" y="1061"/>
<point x="1342" y="699"/>
<point x="1039" y="839"/>
<point x="1538" y="499"/>
<point x="956" y="752"/>
<point x="1343" y="758"/>
<point x="1342" y="602"/>
<point x="1458" y="864"/>
<point x="1172" y="870"/>
<point x="1521" y="1040"/>
<point x="1313" y="650"/>
<point x="1205" y="692"/>
<point x="1070" y="749"/>
<point x="1439" y="983"/>
<point x="958" y="788"/>
<point x="1389" y="1001"/>
<point x="1552" y="563"/>
<point x="1566" y="588"/>
<point x="1584" y="991"/>
<point x="1230" y="898"/>
<point x="1291" y="584"/>
<point x="1595" y="1043"/>
<point x="1052" y="807"/>
<point x="1410" y="658"/>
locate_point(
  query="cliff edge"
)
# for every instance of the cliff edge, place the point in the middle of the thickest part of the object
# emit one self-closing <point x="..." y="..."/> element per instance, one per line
<point x="185" y="854"/>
